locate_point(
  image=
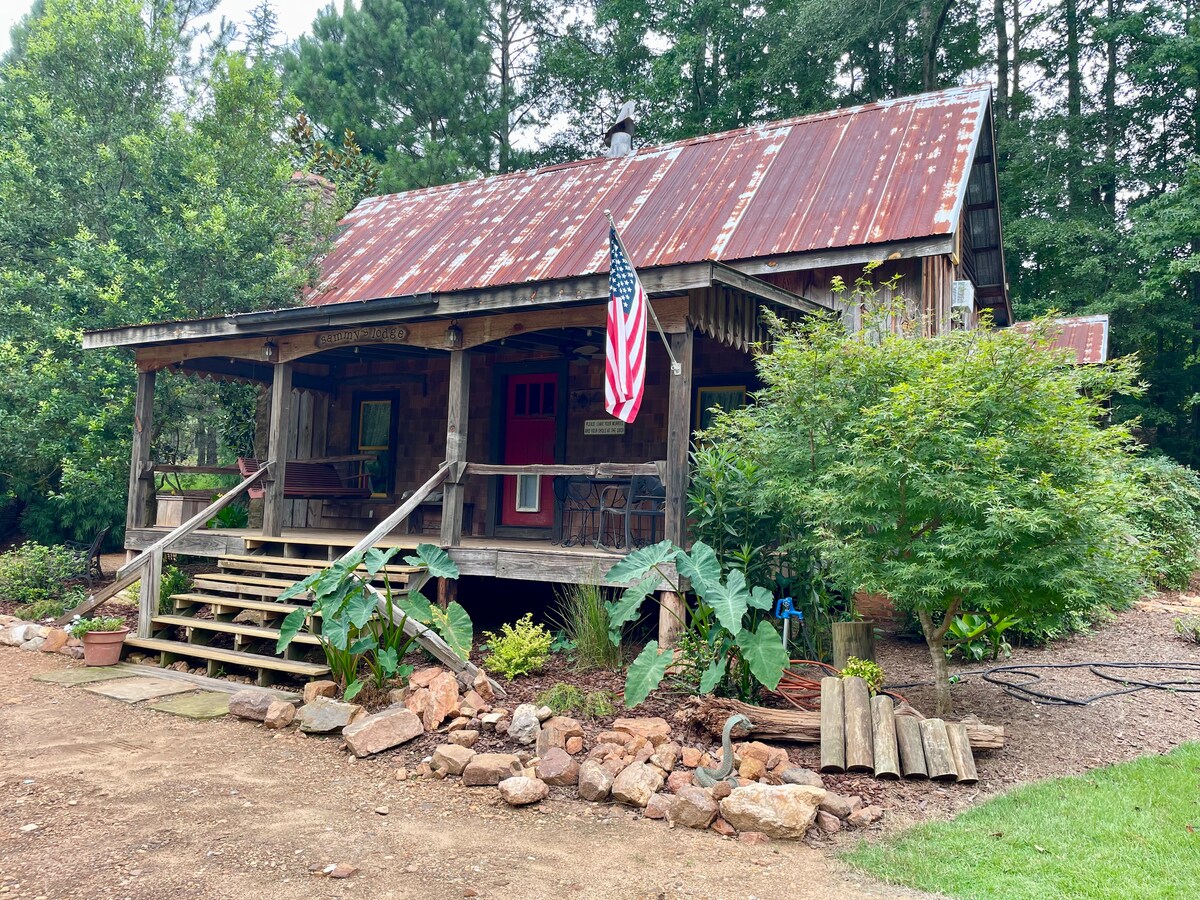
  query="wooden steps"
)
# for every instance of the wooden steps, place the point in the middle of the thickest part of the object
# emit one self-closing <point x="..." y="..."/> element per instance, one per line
<point x="257" y="632"/>
<point x="231" y="657"/>
<point x="191" y="601"/>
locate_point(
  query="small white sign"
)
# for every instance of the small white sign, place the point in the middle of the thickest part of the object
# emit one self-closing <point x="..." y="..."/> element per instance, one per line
<point x="603" y="426"/>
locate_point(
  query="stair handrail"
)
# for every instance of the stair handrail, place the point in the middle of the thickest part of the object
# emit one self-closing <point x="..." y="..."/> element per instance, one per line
<point x="147" y="565"/>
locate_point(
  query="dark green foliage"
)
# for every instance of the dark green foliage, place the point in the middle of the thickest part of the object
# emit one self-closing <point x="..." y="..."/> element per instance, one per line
<point x="1166" y="508"/>
<point x="562" y="698"/>
<point x="33" y="572"/>
<point x="581" y="613"/>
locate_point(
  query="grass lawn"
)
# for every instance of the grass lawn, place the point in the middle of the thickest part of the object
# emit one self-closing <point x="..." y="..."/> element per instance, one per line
<point x="1129" y="832"/>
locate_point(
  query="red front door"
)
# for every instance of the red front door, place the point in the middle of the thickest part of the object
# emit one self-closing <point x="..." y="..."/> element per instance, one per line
<point x="530" y="427"/>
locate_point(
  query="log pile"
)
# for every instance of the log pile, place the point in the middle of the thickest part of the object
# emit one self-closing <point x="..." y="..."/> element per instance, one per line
<point x="861" y="733"/>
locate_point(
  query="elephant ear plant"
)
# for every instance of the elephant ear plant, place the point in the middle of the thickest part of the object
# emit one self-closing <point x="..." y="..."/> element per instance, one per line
<point x="731" y="640"/>
<point x="343" y="616"/>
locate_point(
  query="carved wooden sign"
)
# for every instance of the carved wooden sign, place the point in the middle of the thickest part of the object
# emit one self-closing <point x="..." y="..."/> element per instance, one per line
<point x="365" y="334"/>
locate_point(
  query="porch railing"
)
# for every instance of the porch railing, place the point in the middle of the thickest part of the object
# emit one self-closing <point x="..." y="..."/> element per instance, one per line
<point x="146" y="567"/>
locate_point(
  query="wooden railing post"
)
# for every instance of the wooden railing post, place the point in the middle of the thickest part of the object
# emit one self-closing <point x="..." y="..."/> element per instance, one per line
<point x="456" y="446"/>
<point x="149" y="591"/>
<point x="281" y="408"/>
<point x="139" y="507"/>
<point x="679" y="439"/>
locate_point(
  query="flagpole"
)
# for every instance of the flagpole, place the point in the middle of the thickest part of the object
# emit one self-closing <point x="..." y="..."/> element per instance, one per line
<point x="676" y="368"/>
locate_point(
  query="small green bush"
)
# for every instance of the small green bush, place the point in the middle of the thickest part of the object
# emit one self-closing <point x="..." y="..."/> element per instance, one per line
<point x="599" y="704"/>
<point x="520" y="649"/>
<point x="1188" y="628"/>
<point x="581" y="612"/>
<point x="562" y="698"/>
<point x="870" y="672"/>
<point x="34" y="572"/>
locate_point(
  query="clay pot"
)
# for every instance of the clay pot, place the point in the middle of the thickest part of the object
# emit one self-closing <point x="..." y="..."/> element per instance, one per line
<point x="103" y="648"/>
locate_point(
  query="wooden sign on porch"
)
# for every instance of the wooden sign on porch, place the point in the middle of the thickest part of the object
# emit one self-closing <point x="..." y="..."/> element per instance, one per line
<point x="367" y="334"/>
<point x="603" y="426"/>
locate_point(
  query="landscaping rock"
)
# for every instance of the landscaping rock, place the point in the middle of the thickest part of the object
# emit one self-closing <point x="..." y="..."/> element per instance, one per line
<point x="615" y="765"/>
<point x="752" y="768"/>
<point x="557" y="768"/>
<point x="612" y="737"/>
<point x="489" y="720"/>
<point x="574" y="745"/>
<point x="474" y="699"/>
<point x="753" y="837"/>
<point x="14" y="635"/>
<point x="443" y="700"/>
<point x="251" y="704"/>
<point x="556" y="731"/>
<point x="34" y="643"/>
<point x="544" y="713"/>
<point x="423" y="678"/>
<point x="456" y="724"/>
<point x="691" y="757"/>
<point x="55" y="640"/>
<point x="837" y="805"/>
<point x="659" y="806"/>
<point x="828" y="822"/>
<point x="343" y="870"/>
<point x="694" y="807"/>
<point x="490" y="768"/>
<point x="772" y="757"/>
<point x="779" y="811"/>
<point x="382" y="731"/>
<point x="483" y="687"/>
<point x="595" y="782"/>
<point x="868" y="815"/>
<point x="721" y="790"/>
<point x="315" y="689"/>
<point x="802" y="776"/>
<point x="666" y="757"/>
<point x="637" y="784"/>
<point x="723" y="828"/>
<point x="525" y="724"/>
<point x="521" y="791"/>
<point x="280" y="714"/>
<point x="463" y="737"/>
<point x="678" y="779"/>
<point x="656" y="729"/>
<point x="452" y="759"/>
<point x="324" y="715"/>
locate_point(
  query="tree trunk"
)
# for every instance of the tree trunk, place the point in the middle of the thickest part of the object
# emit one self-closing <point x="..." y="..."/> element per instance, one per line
<point x="1075" y="197"/>
<point x="1000" y="22"/>
<point x="935" y="637"/>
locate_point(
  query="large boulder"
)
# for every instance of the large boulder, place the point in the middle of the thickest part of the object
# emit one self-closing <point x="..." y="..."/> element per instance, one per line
<point x="778" y="811"/>
<point x="557" y="767"/>
<point x="637" y="784"/>
<point x="251" y="704"/>
<point x="382" y="731"/>
<point x="694" y="807"/>
<point x="325" y="715"/>
<point x="525" y="724"/>
<point x="490" y="768"/>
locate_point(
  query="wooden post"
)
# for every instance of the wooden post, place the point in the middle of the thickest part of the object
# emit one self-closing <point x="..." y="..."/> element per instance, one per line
<point x="853" y="639"/>
<point x="883" y="728"/>
<point x="139" y="509"/>
<point x="833" y="726"/>
<point x="679" y="443"/>
<point x="281" y="408"/>
<point x="912" y="753"/>
<point x="938" y="757"/>
<point x="860" y="745"/>
<point x="457" y="415"/>
<point x="148" y="593"/>
<point x="960" y="749"/>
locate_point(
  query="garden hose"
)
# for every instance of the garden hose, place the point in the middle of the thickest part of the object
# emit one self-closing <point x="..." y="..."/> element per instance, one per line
<point x="1009" y="678"/>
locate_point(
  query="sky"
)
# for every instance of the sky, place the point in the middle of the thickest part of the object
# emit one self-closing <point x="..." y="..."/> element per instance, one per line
<point x="294" y="15"/>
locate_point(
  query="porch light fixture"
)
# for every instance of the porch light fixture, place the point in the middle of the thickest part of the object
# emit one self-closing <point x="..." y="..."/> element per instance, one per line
<point x="269" y="350"/>
<point x="454" y="337"/>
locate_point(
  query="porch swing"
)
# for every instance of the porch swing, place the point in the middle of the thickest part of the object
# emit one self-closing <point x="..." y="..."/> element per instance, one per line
<point x="309" y="480"/>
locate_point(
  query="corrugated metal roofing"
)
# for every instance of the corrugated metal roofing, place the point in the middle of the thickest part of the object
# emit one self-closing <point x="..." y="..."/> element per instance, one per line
<point x="1085" y="336"/>
<point x="869" y="174"/>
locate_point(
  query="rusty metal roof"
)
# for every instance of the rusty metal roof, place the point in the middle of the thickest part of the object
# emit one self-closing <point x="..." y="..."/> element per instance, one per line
<point x="1085" y="336"/>
<point x="864" y="175"/>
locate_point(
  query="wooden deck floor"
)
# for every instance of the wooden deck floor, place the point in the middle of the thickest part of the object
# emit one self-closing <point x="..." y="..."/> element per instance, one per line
<point x="493" y="557"/>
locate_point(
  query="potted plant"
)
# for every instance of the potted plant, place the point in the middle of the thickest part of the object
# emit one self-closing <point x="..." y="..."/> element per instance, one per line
<point x="102" y="639"/>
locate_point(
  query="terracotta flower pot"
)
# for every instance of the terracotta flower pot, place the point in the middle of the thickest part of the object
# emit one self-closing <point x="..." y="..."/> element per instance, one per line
<point x="103" y="648"/>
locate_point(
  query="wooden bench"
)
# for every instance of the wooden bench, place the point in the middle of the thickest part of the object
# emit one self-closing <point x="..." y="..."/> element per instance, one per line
<point x="308" y="481"/>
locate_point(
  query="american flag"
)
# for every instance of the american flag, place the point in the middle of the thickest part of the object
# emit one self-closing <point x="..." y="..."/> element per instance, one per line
<point x="625" y="349"/>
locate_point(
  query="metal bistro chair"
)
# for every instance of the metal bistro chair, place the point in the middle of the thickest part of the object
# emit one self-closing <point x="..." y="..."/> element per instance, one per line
<point x="643" y="497"/>
<point x="90" y="567"/>
<point x="577" y="496"/>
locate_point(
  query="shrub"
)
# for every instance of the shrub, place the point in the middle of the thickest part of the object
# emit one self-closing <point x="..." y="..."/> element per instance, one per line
<point x="520" y="649"/>
<point x="868" y="671"/>
<point x="1188" y="628"/>
<point x="599" y="704"/>
<point x="963" y="473"/>
<point x="580" y="611"/>
<point x="34" y="572"/>
<point x="173" y="581"/>
<point x="1166" y="511"/>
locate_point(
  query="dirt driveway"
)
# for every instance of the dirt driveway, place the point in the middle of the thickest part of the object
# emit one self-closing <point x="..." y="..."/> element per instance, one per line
<point x="132" y="803"/>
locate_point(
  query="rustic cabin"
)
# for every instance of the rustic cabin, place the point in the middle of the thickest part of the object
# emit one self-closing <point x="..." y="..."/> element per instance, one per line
<point x="444" y="379"/>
